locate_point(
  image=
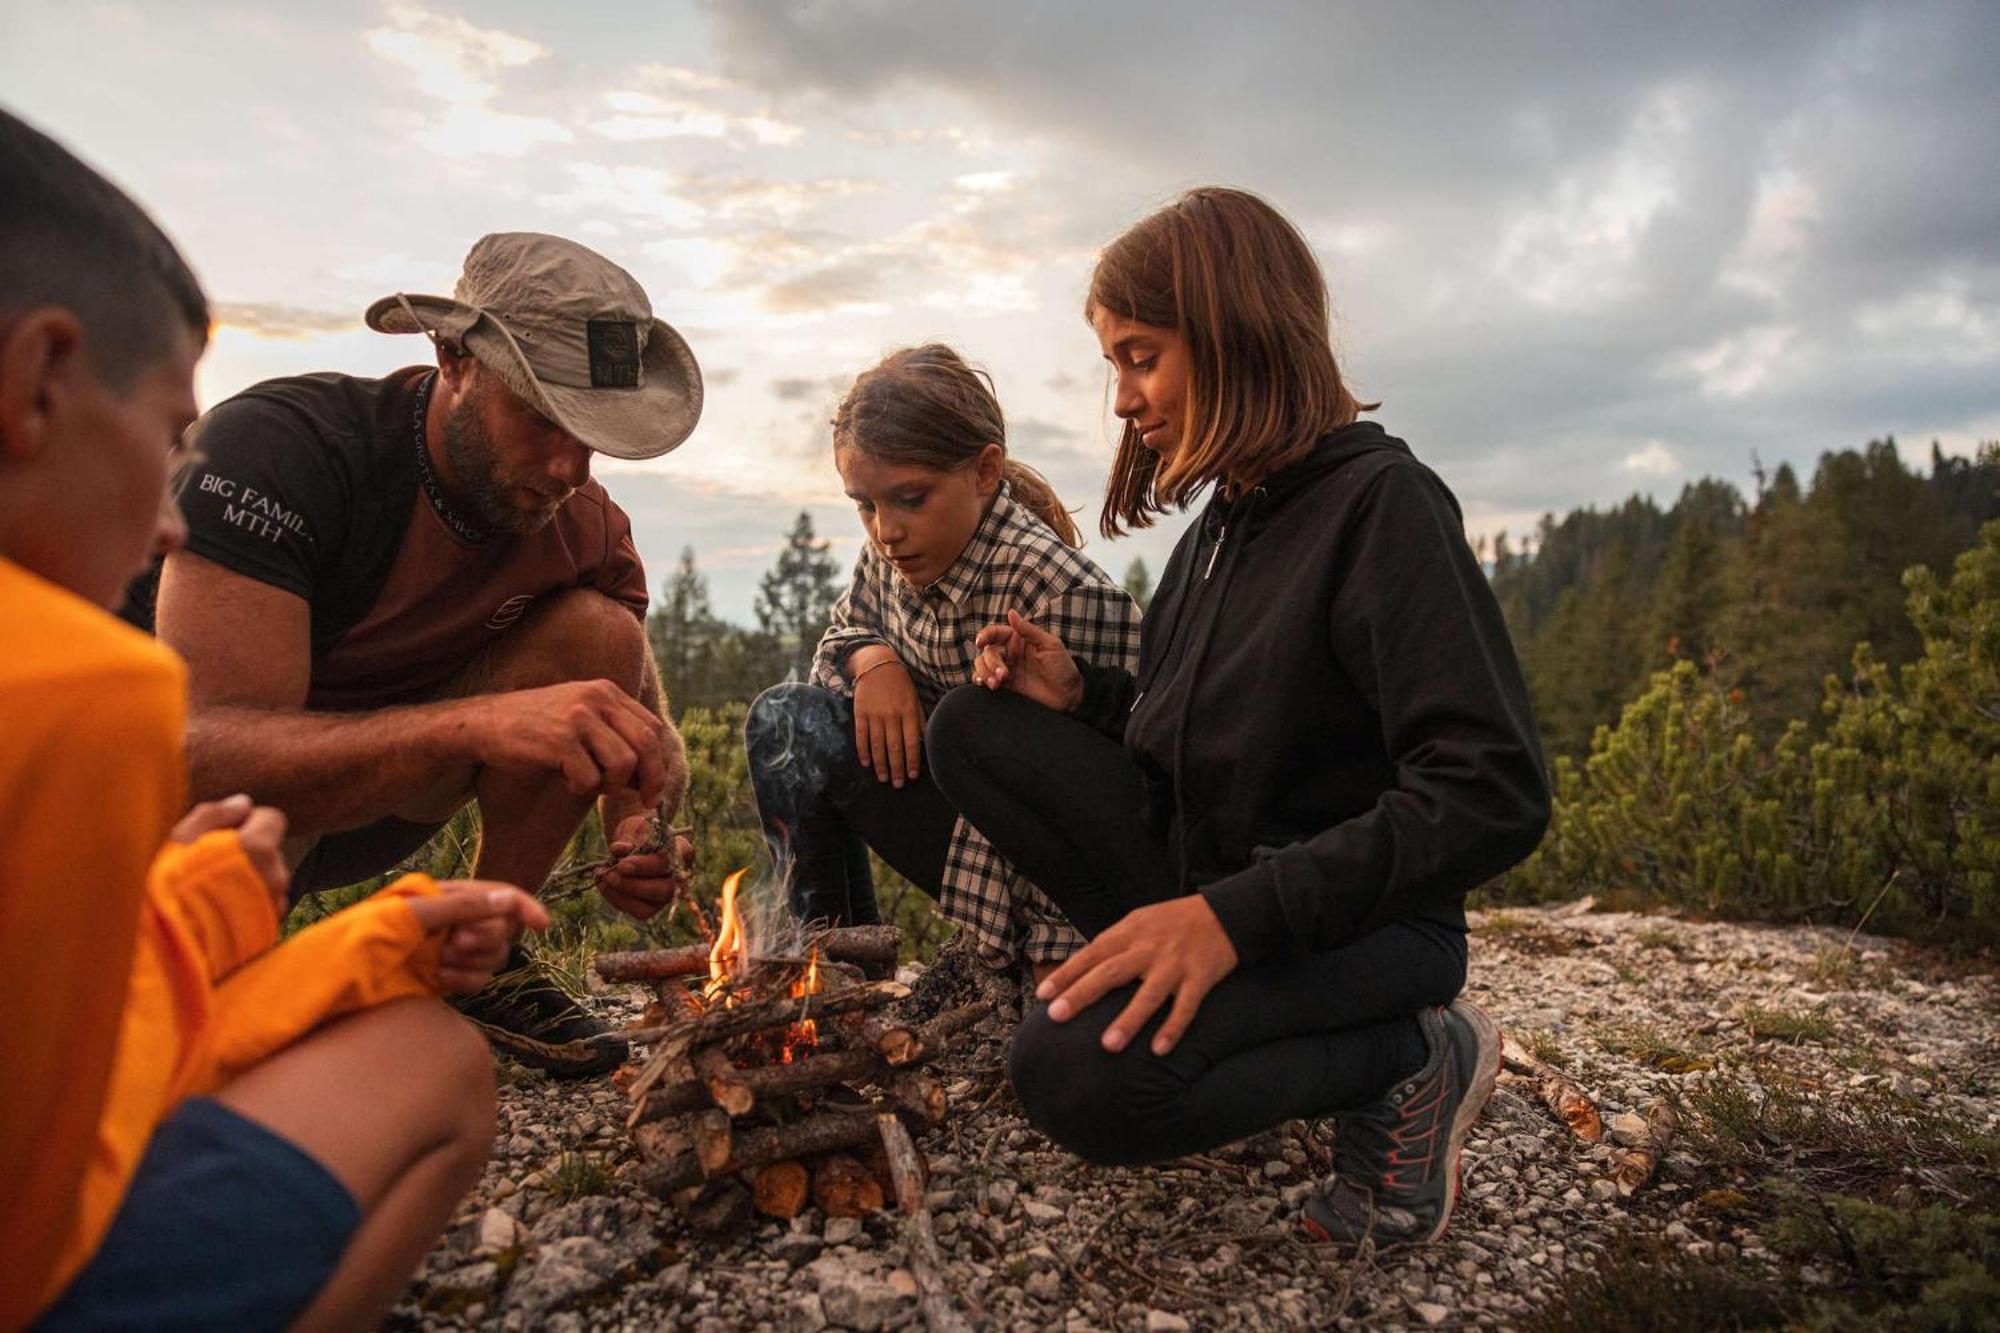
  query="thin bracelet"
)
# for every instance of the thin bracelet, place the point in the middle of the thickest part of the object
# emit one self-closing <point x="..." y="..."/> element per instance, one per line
<point x="855" y="679"/>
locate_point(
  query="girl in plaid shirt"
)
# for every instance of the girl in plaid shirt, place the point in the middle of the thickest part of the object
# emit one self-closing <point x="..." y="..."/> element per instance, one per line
<point x="958" y="534"/>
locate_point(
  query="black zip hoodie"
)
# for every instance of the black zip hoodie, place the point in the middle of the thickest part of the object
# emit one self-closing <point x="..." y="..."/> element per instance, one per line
<point x="1328" y="709"/>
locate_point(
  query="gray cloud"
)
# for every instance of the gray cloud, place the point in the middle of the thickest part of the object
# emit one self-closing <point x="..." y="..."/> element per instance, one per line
<point x="1554" y="236"/>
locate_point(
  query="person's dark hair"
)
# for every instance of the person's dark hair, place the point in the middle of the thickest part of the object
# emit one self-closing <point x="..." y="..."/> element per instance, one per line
<point x="1235" y="279"/>
<point x="70" y="238"/>
<point x="926" y="407"/>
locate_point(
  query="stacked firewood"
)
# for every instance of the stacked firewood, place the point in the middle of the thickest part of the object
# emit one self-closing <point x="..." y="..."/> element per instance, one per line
<point x="770" y="1080"/>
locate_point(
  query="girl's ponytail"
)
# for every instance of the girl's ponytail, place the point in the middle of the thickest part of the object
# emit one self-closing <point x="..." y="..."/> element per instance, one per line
<point x="926" y="406"/>
<point x="1032" y="491"/>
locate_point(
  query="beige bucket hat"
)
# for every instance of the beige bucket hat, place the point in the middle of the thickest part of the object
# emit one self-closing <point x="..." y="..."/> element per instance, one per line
<point x="571" y="333"/>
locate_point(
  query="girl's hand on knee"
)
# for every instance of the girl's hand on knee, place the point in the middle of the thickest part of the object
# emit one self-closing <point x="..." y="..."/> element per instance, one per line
<point x="888" y="722"/>
<point x="1175" y="948"/>
<point x="478" y="918"/>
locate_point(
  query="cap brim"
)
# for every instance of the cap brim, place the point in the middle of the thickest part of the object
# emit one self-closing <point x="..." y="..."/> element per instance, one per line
<point x="435" y="314"/>
<point x="646" y="421"/>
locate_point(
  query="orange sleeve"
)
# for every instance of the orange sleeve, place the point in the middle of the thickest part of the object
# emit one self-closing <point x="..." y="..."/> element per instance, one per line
<point x="90" y="782"/>
<point x="221" y="910"/>
<point x="370" y="953"/>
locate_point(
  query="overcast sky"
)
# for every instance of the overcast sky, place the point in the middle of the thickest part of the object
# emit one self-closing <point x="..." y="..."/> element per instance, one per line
<point x="1577" y="250"/>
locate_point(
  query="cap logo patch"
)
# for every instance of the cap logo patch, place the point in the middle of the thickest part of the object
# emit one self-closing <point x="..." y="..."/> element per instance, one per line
<point x="614" y="354"/>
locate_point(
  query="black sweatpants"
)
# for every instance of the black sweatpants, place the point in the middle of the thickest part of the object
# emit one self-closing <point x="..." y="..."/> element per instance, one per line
<point x="1302" y="1036"/>
<point x="821" y="808"/>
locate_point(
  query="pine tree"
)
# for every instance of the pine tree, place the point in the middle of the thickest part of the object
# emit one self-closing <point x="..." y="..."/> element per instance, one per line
<point x="1139" y="582"/>
<point x="795" y="598"/>
<point x="685" y="635"/>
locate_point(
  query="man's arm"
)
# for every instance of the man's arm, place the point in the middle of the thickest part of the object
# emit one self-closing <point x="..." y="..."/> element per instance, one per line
<point x="248" y="646"/>
<point x="249" y="655"/>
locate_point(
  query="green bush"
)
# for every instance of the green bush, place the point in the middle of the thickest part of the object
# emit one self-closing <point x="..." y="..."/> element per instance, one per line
<point x="1891" y="817"/>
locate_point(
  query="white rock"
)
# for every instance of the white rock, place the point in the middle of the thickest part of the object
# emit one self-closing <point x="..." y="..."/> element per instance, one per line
<point x="1047" y="1214"/>
<point x="1159" y="1321"/>
<point x="842" y="1230"/>
<point x="497" y="1231"/>
<point x="1431" y="1312"/>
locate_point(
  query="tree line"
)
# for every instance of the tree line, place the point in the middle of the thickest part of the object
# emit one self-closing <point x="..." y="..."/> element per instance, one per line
<point x="1768" y="593"/>
<point x="1782" y="705"/>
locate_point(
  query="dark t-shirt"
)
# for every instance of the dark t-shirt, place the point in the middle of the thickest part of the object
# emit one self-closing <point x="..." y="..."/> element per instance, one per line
<point x="319" y="485"/>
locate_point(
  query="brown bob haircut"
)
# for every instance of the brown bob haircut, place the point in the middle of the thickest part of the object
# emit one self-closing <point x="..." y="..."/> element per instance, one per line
<point x="1228" y="273"/>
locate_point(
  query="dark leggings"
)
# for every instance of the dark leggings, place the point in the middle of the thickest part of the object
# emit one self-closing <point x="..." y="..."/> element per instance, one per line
<point x="823" y="809"/>
<point x="1303" y="1036"/>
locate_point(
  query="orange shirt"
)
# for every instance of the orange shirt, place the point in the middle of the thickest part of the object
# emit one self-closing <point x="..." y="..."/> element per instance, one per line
<point x="131" y="976"/>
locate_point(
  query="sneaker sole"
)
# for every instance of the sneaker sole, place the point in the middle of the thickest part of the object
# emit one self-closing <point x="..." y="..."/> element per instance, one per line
<point x="1479" y="1090"/>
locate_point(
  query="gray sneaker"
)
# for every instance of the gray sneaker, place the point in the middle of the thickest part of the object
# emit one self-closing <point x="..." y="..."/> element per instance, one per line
<point x="1396" y="1161"/>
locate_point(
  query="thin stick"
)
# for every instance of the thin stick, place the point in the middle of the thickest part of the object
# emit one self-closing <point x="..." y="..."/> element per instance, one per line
<point x="919" y="1237"/>
<point x="845" y="944"/>
<point x="722" y="1024"/>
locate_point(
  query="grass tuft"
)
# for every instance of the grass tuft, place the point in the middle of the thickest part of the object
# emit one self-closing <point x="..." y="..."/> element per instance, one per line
<point x="1792" y="1025"/>
<point x="1651" y="1046"/>
<point x="577" y="1175"/>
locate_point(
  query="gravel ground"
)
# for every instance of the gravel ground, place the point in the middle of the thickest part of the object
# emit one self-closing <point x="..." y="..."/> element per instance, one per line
<point x="555" y="1237"/>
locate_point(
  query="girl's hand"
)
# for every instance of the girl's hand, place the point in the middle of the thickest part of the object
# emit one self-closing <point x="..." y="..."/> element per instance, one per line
<point x="888" y="719"/>
<point x="1175" y="948"/>
<point x="480" y="916"/>
<point x="1027" y="659"/>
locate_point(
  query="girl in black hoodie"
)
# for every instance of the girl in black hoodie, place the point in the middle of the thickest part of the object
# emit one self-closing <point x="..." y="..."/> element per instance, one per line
<point x="1268" y="833"/>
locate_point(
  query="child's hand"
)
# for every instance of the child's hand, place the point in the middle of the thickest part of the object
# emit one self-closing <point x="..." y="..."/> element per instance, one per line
<point x="1027" y="659"/>
<point x="888" y="721"/>
<point x="480" y="916"/>
<point x="261" y="830"/>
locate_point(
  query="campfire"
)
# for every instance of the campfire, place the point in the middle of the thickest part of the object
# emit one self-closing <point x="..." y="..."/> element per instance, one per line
<point x="774" y="1076"/>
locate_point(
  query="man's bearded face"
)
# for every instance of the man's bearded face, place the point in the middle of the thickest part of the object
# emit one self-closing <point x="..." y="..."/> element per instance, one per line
<point x="511" y="465"/>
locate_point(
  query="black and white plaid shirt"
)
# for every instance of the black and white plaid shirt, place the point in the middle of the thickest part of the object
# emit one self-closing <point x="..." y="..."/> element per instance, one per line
<point x="1014" y="562"/>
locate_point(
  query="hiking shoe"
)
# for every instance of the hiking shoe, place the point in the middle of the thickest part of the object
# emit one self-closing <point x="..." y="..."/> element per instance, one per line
<point x="1396" y="1161"/>
<point x="526" y="1015"/>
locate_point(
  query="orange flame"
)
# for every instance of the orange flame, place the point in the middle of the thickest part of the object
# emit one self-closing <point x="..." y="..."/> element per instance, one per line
<point x="731" y="950"/>
<point x="803" y="1036"/>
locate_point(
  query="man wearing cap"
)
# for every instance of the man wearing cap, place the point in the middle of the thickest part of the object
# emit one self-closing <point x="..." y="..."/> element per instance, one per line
<point x="401" y="594"/>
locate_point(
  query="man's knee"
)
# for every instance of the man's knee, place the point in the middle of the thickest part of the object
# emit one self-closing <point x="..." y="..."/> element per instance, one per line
<point x="580" y="634"/>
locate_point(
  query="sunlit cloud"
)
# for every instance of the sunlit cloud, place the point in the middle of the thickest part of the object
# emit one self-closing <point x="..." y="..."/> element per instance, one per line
<point x="674" y="102"/>
<point x="459" y="65"/>
<point x="281" y="321"/>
